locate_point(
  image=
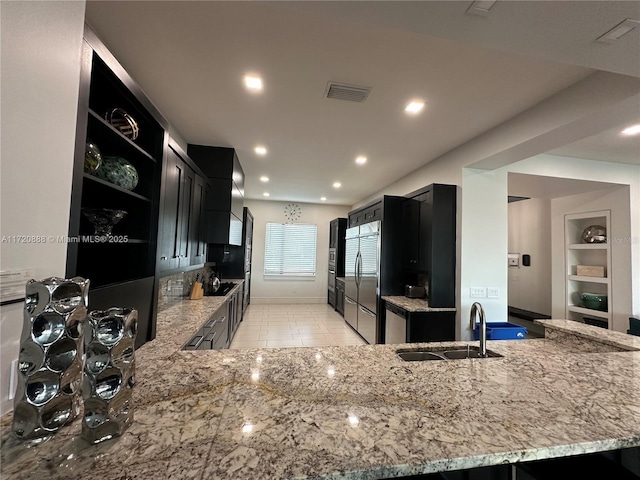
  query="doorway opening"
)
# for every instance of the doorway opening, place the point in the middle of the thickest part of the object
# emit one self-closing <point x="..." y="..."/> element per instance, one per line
<point x="537" y="273"/>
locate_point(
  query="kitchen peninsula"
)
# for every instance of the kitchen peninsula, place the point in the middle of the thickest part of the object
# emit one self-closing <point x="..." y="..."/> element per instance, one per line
<point x="352" y="412"/>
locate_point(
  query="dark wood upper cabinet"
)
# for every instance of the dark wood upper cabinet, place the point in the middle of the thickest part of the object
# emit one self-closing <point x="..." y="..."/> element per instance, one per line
<point x="182" y="241"/>
<point x="429" y="222"/>
<point x="224" y="212"/>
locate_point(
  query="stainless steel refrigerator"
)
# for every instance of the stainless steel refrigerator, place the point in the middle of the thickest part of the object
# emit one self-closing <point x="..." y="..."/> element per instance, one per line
<point x="248" y="241"/>
<point x="362" y="279"/>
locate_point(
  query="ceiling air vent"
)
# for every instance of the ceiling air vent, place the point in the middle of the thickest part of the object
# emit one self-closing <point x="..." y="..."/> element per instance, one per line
<point x="352" y="93"/>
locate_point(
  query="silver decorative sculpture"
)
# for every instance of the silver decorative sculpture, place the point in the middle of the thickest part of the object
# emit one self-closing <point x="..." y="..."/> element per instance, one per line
<point x="50" y="360"/>
<point x="109" y="369"/>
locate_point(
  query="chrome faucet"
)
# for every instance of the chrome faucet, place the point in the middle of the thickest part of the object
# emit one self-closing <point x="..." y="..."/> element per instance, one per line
<point x="475" y="309"/>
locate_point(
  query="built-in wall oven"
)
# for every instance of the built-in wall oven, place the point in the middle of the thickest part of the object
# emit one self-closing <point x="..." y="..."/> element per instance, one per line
<point x="337" y="229"/>
<point x="331" y="277"/>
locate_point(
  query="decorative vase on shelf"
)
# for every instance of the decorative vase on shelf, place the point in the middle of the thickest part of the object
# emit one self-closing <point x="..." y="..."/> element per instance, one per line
<point x="109" y="342"/>
<point x="103" y="219"/>
<point x="118" y="171"/>
<point x="124" y="122"/>
<point x="92" y="157"/>
<point x="594" y="234"/>
<point x="50" y="359"/>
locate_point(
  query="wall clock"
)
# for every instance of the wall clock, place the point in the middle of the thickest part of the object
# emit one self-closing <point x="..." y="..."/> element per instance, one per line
<point x="292" y="212"/>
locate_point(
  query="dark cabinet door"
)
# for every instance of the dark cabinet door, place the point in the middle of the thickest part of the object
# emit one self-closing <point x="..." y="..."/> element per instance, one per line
<point x="337" y="228"/>
<point x="197" y="241"/>
<point x="225" y="205"/>
<point x="411" y="224"/>
<point x="442" y="249"/>
<point x="185" y="217"/>
<point x="182" y="241"/>
<point x="425" y="225"/>
<point x="168" y="244"/>
<point x="333" y="233"/>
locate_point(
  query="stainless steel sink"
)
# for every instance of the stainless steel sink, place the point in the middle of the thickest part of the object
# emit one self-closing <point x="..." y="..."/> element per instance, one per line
<point x="419" y="356"/>
<point x="471" y="352"/>
<point x="443" y="353"/>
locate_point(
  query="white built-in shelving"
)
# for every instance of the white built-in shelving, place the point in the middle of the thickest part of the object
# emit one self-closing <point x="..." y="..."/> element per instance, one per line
<point x="578" y="252"/>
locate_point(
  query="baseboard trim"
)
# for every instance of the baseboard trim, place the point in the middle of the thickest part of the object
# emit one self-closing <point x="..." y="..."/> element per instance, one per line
<point x="287" y="300"/>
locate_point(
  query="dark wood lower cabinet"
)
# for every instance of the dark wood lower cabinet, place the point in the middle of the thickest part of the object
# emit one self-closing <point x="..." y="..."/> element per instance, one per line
<point x="402" y="326"/>
<point x="609" y="465"/>
<point x="598" y="465"/>
<point x="331" y="298"/>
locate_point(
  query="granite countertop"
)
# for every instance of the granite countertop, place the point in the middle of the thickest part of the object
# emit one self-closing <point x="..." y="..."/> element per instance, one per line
<point x="581" y="332"/>
<point x="414" y="304"/>
<point x="355" y="412"/>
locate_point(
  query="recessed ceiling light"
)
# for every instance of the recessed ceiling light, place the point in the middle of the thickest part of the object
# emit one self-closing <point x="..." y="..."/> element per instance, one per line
<point x="260" y="150"/>
<point x="324" y="199"/>
<point x="481" y="7"/>
<point x="253" y="82"/>
<point x="361" y="160"/>
<point x="264" y="179"/>
<point x="265" y="194"/>
<point x="619" y="30"/>
<point x="414" y="106"/>
<point x="634" y="130"/>
<point x="337" y="185"/>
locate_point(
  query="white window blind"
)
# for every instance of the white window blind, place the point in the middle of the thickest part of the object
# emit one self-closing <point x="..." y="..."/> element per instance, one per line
<point x="290" y="249"/>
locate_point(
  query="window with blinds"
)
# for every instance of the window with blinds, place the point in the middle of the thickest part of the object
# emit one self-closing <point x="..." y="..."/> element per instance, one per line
<point x="290" y="249"/>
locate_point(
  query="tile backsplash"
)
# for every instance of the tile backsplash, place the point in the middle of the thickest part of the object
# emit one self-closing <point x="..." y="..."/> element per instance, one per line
<point x="177" y="287"/>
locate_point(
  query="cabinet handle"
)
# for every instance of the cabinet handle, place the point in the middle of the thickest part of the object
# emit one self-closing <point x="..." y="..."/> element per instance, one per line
<point x="366" y="313"/>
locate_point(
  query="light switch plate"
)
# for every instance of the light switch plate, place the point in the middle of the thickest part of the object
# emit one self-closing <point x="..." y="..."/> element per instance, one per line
<point x="478" y="292"/>
<point x="492" y="292"/>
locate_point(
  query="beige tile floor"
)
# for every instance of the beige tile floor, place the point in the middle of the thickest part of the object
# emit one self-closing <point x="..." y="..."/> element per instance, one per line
<point x="294" y="325"/>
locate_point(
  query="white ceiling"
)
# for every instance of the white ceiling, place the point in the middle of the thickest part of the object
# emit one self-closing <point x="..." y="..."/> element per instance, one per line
<point x="474" y="73"/>
<point x="608" y="146"/>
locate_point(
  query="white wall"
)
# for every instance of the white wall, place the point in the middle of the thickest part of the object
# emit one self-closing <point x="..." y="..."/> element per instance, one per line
<point x="483" y="243"/>
<point x="530" y="233"/>
<point x="307" y="290"/>
<point x="616" y="200"/>
<point x="41" y="43"/>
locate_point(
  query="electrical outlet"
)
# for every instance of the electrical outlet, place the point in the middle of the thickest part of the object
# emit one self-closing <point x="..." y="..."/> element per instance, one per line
<point x="478" y="292"/>
<point x="13" y="379"/>
<point x="492" y="292"/>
